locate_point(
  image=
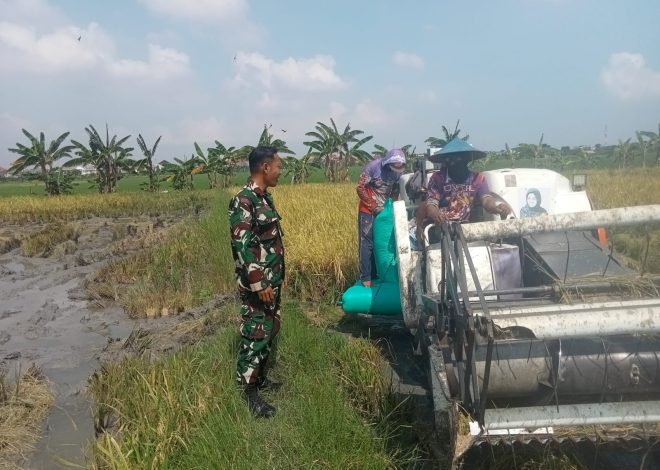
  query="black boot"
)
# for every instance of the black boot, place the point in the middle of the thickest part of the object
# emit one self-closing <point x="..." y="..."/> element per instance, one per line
<point x="257" y="405"/>
<point x="267" y="385"/>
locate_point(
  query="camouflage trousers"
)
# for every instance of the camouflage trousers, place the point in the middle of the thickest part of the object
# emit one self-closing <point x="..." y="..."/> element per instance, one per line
<point x="260" y="323"/>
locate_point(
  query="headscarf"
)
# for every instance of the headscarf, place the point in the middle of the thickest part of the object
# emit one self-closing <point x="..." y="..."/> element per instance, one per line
<point x="528" y="211"/>
<point x="393" y="156"/>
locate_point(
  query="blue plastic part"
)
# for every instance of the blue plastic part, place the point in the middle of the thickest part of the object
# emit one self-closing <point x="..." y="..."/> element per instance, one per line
<point x="379" y="299"/>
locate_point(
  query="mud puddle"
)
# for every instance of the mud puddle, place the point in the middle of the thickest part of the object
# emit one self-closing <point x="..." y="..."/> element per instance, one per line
<point x="46" y="319"/>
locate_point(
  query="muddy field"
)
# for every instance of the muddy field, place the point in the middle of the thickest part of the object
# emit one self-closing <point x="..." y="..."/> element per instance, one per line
<point x="49" y="319"/>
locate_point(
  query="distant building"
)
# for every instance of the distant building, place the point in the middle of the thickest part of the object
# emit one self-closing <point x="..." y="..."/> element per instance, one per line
<point x="84" y="170"/>
<point x="3" y="172"/>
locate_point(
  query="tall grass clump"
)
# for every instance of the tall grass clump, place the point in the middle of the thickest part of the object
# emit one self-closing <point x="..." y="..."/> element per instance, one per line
<point x="24" y="404"/>
<point x="186" y="411"/>
<point x="43" y="242"/>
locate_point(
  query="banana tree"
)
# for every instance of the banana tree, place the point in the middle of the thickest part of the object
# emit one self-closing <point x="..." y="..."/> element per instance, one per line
<point x="181" y="172"/>
<point x="337" y="150"/>
<point x="108" y="156"/>
<point x="298" y="168"/>
<point x="42" y="156"/>
<point x="654" y="142"/>
<point x="225" y="160"/>
<point x="148" y="162"/>
<point x="323" y="147"/>
<point x="510" y="154"/>
<point x="622" y="152"/>
<point x="268" y="139"/>
<point x="448" y="136"/>
<point x="536" y="152"/>
<point x="207" y="164"/>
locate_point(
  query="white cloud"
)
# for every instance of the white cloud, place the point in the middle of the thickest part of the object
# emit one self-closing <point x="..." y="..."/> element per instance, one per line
<point x="337" y="110"/>
<point x="59" y="49"/>
<point x="313" y="74"/>
<point x="628" y="77"/>
<point x="188" y="130"/>
<point x="163" y="63"/>
<point x="367" y="113"/>
<point x="36" y="12"/>
<point x="14" y="122"/>
<point x="269" y="101"/>
<point x="408" y="60"/>
<point x="427" y="96"/>
<point x="72" y="48"/>
<point x="205" y="10"/>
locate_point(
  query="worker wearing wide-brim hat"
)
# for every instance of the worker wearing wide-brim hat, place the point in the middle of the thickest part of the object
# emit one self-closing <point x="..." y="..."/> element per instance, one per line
<point x="454" y="190"/>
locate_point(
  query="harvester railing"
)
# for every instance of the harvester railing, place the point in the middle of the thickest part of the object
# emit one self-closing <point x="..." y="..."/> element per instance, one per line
<point x="468" y="319"/>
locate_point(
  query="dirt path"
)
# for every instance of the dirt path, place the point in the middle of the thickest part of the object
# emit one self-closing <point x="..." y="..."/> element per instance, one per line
<point x="46" y="319"/>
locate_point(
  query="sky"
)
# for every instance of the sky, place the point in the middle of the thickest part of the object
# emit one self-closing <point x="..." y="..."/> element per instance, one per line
<point x="579" y="71"/>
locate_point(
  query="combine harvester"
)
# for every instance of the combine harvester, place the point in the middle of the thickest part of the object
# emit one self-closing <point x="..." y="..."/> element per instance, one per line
<point x="529" y="326"/>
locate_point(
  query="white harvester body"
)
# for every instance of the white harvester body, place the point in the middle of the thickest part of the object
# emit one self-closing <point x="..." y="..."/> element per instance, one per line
<point x="507" y="318"/>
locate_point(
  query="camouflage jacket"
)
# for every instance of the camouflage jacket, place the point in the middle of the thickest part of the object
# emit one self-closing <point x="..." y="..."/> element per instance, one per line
<point x="256" y="239"/>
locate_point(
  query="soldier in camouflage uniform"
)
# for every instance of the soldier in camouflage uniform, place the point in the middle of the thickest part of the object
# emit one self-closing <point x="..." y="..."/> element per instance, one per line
<point x="256" y="241"/>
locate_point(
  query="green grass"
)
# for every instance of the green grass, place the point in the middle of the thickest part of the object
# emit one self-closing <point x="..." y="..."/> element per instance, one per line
<point x="135" y="183"/>
<point x="334" y="410"/>
<point x="86" y="185"/>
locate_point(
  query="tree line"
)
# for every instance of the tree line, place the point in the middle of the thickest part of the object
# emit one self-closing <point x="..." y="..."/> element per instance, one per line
<point x="329" y="148"/>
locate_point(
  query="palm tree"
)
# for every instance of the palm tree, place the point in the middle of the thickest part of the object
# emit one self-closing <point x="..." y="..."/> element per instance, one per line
<point x="107" y="155"/>
<point x="38" y="155"/>
<point x="448" y="136"/>
<point x="148" y="162"/>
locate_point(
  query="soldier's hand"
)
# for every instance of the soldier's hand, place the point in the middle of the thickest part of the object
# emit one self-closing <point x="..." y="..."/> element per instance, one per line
<point x="285" y="282"/>
<point x="267" y="295"/>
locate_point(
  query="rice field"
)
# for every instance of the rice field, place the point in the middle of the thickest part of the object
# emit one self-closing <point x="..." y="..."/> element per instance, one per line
<point x="38" y="209"/>
<point x="639" y="245"/>
<point x="165" y="420"/>
<point x="320" y="235"/>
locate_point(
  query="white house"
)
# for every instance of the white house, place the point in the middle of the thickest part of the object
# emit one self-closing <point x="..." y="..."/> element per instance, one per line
<point x="86" y="170"/>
